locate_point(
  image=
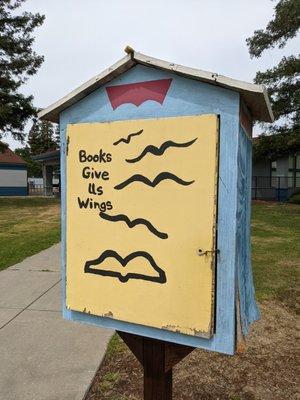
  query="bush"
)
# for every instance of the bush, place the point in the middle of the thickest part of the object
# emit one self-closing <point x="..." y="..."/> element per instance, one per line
<point x="295" y="198"/>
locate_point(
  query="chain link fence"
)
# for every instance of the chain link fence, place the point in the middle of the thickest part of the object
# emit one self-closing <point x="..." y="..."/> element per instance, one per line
<point x="278" y="188"/>
<point x="35" y="189"/>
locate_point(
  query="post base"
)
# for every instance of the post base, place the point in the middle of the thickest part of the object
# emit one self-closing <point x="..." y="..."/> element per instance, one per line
<point x="157" y="358"/>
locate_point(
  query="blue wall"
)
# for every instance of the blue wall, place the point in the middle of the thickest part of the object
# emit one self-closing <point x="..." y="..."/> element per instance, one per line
<point x="185" y="97"/>
<point x="13" y="191"/>
<point x="13" y="166"/>
<point x="248" y="308"/>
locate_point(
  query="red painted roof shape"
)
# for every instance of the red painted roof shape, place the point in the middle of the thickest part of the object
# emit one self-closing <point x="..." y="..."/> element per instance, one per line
<point x="137" y="93"/>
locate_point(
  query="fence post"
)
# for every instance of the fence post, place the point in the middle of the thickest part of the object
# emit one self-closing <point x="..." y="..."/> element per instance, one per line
<point x="294" y="171"/>
<point x="255" y="192"/>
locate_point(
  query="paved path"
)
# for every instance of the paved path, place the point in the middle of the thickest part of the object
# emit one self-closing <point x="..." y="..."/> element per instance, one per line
<point x="43" y="357"/>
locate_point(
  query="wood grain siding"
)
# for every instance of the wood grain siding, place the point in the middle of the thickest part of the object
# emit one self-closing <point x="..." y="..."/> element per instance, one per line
<point x="185" y="97"/>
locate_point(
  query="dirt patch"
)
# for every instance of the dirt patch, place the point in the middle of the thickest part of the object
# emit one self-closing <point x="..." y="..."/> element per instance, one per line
<point x="267" y="371"/>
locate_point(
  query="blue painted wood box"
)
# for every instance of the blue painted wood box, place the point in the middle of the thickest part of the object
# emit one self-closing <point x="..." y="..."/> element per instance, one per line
<point x="192" y="92"/>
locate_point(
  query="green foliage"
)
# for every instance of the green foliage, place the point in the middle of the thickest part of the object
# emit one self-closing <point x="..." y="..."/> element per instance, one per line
<point x="34" y="168"/>
<point x="122" y="397"/>
<point x="115" y="345"/>
<point x="282" y="27"/>
<point x="17" y="63"/>
<point x="57" y="136"/>
<point x="108" y="381"/>
<point x="282" y="81"/>
<point x="295" y="199"/>
<point x="283" y="87"/>
<point x="3" y="147"/>
<point x="272" y="147"/>
<point x="42" y="137"/>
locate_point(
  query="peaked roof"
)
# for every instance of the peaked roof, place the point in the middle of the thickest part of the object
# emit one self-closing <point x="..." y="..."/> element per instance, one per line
<point x="9" y="157"/>
<point x="254" y="96"/>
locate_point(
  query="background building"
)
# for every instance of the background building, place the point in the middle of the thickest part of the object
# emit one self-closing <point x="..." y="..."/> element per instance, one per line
<point x="276" y="180"/>
<point x="51" y="176"/>
<point x="13" y="174"/>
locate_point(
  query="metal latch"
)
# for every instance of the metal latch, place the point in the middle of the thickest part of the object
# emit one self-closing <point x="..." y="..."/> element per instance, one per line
<point x="206" y="252"/>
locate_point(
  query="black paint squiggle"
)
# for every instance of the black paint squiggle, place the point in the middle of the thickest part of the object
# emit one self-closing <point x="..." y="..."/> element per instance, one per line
<point x="158" y="151"/>
<point x="133" y="223"/>
<point x="160" y="177"/>
<point x="161" y="278"/>
<point x="127" y="140"/>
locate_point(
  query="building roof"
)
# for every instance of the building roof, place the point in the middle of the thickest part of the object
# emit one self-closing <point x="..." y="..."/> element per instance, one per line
<point x="254" y="96"/>
<point x="49" y="155"/>
<point x="9" y="157"/>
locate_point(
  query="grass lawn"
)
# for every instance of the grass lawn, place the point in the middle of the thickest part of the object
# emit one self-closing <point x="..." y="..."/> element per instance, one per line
<point x="27" y="226"/>
<point x="268" y="370"/>
<point x="276" y="251"/>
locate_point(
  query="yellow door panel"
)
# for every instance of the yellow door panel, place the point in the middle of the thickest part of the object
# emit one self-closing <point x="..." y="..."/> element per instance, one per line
<point x="141" y="202"/>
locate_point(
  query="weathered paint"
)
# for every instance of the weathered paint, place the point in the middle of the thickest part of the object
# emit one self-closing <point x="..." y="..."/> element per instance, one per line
<point x="248" y="308"/>
<point x="185" y="97"/>
<point x="135" y="224"/>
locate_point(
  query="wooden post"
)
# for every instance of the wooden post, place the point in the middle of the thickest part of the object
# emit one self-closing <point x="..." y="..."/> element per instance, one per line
<point x="157" y="378"/>
<point x="157" y="358"/>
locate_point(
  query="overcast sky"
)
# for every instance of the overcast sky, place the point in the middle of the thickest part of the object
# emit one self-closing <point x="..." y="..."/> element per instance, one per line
<point x="80" y="38"/>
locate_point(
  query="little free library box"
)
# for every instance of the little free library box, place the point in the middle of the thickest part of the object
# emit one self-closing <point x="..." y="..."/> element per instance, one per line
<point x="155" y="175"/>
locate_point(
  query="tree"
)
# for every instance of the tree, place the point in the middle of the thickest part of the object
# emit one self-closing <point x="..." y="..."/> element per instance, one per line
<point x="282" y="81"/>
<point x="272" y="147"/>
<point x="34" y="168"/>
<point x="18" y="62"/>
<point x="42" y="137"/>
<point x="57" y="136"/>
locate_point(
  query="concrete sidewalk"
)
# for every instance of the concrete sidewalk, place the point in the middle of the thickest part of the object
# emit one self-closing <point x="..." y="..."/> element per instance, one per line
<point x="43" y="357"/>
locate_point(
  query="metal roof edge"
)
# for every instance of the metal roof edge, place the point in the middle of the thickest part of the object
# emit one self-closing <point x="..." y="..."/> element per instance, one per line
<point x="255" y="96"/>
<point x="51" y="112"/>
<point x="215" y="79"/>
<point x="46" y="156"/>
<point x="211" y="77"/>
